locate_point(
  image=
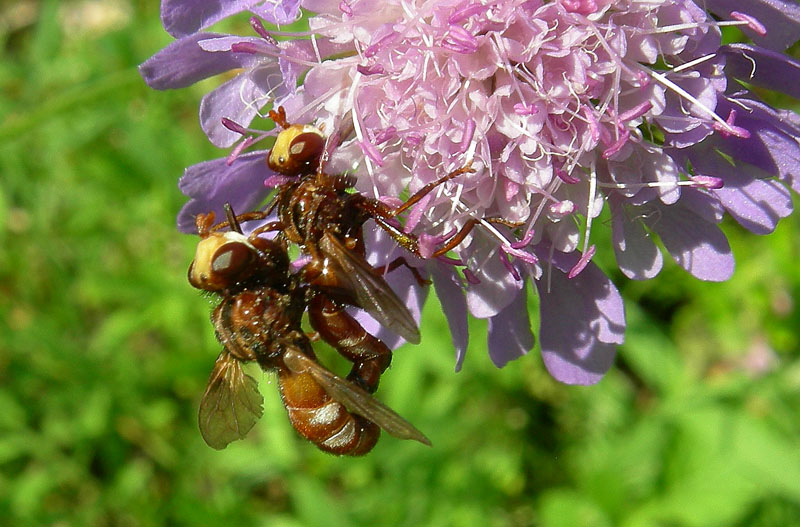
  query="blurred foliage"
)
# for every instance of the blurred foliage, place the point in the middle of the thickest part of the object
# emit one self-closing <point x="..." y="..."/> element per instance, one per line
<point x="105" y="349"/>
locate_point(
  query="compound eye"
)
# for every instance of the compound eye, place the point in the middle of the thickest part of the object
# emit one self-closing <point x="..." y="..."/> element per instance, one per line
<point x="296" y="149"/>
<point x="231" y="259"/>
<point x="306" y="147"/>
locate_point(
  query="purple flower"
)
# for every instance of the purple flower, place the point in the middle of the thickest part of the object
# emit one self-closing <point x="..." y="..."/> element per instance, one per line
<point x="562" y="107"/>
<point x="184" y="17"/>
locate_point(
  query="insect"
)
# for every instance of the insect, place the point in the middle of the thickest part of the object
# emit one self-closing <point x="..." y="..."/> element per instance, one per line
<point x="259" y="319"/>
<point x="316" y="212"/>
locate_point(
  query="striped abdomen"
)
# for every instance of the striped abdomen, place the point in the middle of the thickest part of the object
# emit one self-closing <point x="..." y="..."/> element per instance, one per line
<point x="322" y="420"/>
<point x="369" y="355"/>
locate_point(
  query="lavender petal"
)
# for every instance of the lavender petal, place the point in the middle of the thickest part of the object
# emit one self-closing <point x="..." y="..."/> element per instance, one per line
<point x="184" y="62"/>
<point x="496" y="288"/>
<point x="212" y="183"/>
<point x="780" y="17"/>
<point x="239" y="100"/>
<point x="754" y="201"/>
<point x="283" y="12"/>
<point x="637" y="256"/>
<point x="510" y="335"/>
<point x="773" y="144"/>
<point x="582" y="320"/>
<point x="454" y="305"/>
<point x="694" y="243"/>
<point x="184" y="17"/>
<point x="763" y="67"/>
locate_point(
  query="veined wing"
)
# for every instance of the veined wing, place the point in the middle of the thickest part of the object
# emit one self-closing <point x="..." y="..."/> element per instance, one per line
<point x="231" y="404"/>
<point x="354" y="398"/>
<point x="372" y="292"/>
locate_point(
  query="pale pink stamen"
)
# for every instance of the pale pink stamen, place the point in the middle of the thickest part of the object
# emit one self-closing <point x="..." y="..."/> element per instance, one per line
<point x="259" y="28"/>
<point x="380" y="44"/>
<point x="525" y="109"/>
<point x="370" y="69"/>
<point x="582" y="263"/>
<point x="524" y="241"/>
<point x="459" y="40"/>
<point x="566" y="178"/>
<point x="430" y="244"/>
<point x="301" y="262"/>
<point x="509" y="267"/>
<point x="730" y="129"/>
<point x="470" y="276"/>
<point x="248" y="141"/>
<point x="636" y="111"/>
<point x="416" y="213"/>
<point x="391" y="201"/>
<point x="277" y="180"/>
<point x="617" y="145"/>
<point x="451" y="261"/>
<point x="594" y="126"/>
<point x="246" y="47"/>
<point x="708" y="182"/>
<point x="233" y="126"/>
<point x="387" y="134"/>
<point x="519" y="253"/>
<point x="469" y="10"/>
<point x="372" y="152"/>
<point x="751" y="21"/>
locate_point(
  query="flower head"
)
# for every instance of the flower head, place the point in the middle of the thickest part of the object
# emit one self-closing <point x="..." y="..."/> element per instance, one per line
<point x="561" y="107"/>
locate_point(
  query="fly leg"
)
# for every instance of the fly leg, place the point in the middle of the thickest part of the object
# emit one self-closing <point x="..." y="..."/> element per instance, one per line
<point x="466" y="229"/>
<point x="397" y="262"/>
<point x="421" y="193"/>
<point x="385" y="216"/>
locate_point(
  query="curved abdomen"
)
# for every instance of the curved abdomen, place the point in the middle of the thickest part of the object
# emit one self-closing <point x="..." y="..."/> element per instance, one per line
<point x="322" y="420"/>
<point x="369" y="355"/>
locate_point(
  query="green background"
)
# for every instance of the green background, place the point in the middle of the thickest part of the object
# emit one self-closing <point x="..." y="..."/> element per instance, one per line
<point x="105" y="349"/>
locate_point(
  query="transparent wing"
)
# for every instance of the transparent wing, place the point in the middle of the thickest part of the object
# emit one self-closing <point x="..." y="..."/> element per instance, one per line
<point x="353" y="398"/>
<point x="372" y="292"/>
<point x="231" y="404"/>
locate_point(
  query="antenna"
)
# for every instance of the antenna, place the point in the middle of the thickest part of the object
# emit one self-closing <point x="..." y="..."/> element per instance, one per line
<point x="232" y="221"/>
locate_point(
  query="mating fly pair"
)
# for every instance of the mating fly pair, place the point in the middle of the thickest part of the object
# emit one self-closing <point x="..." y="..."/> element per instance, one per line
<point x="259" y="318"/>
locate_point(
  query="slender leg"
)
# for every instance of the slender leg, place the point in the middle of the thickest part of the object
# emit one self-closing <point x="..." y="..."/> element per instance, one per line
<point x="383" y="214"/>
<point x="406" y="241"/>
<point x="397" y="262"/>
<point x="458" y="238"/>
<point x="410" y="242"/>
<point x="241" y="218"/>
<point x="378" y="209"/>
<point x="418" y="195"/>
<point x="369" y="355"/>
<point x="267" y="227"/>
<point x="466" y="228"/>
